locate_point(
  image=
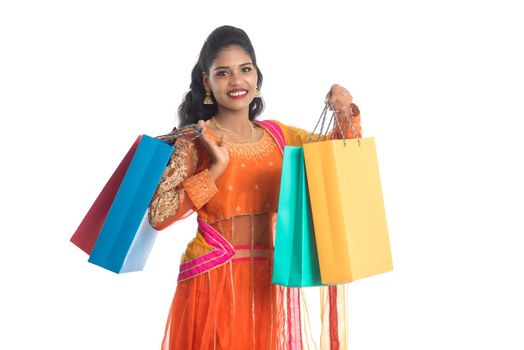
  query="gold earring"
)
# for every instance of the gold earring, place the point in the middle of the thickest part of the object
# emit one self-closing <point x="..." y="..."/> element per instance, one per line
<point x="257" y="93"/>
<point x="207" y="99"/>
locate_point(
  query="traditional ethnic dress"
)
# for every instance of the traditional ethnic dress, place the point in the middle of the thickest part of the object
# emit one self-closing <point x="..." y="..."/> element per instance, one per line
<point x="225" y="298"/>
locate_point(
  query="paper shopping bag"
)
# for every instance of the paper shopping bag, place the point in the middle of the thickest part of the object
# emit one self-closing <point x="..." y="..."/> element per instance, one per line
<point x="295" y="257"/>
<point x="126" y="237"/>
<point x="348" y="209"/>
<point x="86" y="234"/>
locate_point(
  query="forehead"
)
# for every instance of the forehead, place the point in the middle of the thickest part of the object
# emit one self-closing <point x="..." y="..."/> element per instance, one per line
<point x="232" y="55"/>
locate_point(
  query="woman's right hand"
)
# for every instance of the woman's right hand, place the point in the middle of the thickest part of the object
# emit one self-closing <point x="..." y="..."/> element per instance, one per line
<point x="218" y="150"/>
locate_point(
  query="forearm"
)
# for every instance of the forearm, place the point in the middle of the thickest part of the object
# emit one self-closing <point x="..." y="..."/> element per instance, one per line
<point x="175" y="203"/>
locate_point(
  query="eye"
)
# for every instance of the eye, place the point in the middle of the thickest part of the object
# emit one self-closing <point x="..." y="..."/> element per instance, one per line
<point x="244" y="69"/>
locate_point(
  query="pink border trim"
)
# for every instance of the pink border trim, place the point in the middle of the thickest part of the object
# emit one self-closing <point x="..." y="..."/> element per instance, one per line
<point x="222" y="253"/>
<point x="249" y="258"/>
<point x="275" y="130"/>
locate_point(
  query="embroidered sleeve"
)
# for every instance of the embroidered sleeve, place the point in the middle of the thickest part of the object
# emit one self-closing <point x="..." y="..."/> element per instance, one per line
<point x="297" y="136"/>
<point x="170" y="202"/>
<point x="200" y="188"/>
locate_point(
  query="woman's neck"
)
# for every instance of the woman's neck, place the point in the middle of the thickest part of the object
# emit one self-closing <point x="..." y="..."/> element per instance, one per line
<point x="236" y="121"/>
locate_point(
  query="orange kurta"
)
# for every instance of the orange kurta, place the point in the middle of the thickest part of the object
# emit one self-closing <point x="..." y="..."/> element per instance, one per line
<point x="232" y="305"/>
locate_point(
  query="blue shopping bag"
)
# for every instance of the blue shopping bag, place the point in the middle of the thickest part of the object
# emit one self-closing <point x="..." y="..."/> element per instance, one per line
<point x="295" y="257"/>
<point x="126" y="237"/>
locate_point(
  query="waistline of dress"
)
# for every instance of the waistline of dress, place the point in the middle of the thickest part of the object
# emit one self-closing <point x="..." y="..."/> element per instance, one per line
<point x="222" y="253"/>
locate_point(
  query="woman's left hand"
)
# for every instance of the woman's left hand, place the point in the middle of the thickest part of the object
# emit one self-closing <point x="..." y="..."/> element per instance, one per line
<point x="341" y="100"/>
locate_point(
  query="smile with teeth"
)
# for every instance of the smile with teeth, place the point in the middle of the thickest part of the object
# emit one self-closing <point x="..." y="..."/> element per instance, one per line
<point x="237" y="93"/>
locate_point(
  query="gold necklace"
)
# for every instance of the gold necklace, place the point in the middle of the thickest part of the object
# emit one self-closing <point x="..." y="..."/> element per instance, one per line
<point x="234" y="135"/>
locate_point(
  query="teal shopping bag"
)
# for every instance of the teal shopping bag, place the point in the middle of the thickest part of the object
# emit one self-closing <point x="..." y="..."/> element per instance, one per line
<point x="295" y="257"/>
<point x="127" y="237"/>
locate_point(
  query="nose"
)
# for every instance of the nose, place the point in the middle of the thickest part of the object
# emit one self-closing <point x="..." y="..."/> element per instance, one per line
<point x="235" y="77"/>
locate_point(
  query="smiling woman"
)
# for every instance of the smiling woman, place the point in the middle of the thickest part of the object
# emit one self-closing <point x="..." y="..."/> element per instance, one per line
<point x="230" y="176"/>
<point x="227" y="62"/>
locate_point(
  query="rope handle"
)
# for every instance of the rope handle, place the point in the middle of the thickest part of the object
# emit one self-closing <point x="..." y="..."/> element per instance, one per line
<point x="334" y="117"/>
<point x="193" y="130"/>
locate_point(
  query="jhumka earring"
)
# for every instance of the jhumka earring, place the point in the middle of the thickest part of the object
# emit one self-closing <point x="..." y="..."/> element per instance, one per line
<point x="207" y="99"/>
<point x="257" y="93"/>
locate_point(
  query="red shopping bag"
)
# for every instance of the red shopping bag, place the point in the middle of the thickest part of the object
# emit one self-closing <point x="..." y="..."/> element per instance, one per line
<point x="87" y="233"/>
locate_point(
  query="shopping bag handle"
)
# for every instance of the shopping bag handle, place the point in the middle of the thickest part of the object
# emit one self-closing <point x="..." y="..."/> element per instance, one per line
<point x="191" y="130"/>
<point x="331" y="119"/>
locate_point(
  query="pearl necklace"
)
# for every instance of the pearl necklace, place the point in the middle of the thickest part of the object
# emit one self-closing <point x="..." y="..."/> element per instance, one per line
<point x="234" y="135"/>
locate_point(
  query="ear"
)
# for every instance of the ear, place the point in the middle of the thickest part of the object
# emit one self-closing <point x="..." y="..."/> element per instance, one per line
<point x="205" y="80"/>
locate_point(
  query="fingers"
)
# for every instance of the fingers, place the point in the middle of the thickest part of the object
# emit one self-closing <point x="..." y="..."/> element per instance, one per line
<point x="210" y="143"/>
<point x="201" y="124"/>
<point x="223" y="140"/>
<point x="340" y="99"/>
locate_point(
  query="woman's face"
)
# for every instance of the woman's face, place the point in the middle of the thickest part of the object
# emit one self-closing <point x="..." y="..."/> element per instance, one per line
<point x="231" y="71"/>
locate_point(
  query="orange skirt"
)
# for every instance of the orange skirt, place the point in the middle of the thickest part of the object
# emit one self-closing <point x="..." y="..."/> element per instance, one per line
<point x="234" y="306"/>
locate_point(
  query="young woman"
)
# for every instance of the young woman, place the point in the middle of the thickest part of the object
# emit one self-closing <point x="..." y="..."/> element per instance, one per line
<point x="231" y="177"/>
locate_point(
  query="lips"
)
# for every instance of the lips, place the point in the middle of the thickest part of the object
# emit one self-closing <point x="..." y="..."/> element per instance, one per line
<point x="237" y="93"/>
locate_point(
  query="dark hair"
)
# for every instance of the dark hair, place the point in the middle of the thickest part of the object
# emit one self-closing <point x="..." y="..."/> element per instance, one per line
<point x="192" y="107"/>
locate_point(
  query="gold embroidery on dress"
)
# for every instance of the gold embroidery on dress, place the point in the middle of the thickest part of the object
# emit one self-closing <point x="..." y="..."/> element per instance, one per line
<point x="167" y="200"/>
<point x="252" y="253"/>
<point x="254" y="150"/>
<point x="200" y="188"/>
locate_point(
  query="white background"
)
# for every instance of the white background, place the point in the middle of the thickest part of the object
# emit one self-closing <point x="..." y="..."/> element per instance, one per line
<point x="439" y="85"/>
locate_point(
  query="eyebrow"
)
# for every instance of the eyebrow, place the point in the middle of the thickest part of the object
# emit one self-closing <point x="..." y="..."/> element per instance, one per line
<point x="243" y="64"/>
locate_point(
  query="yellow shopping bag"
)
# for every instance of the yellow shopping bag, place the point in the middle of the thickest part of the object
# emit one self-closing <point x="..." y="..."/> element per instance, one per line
<point x="348" y="209"/>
